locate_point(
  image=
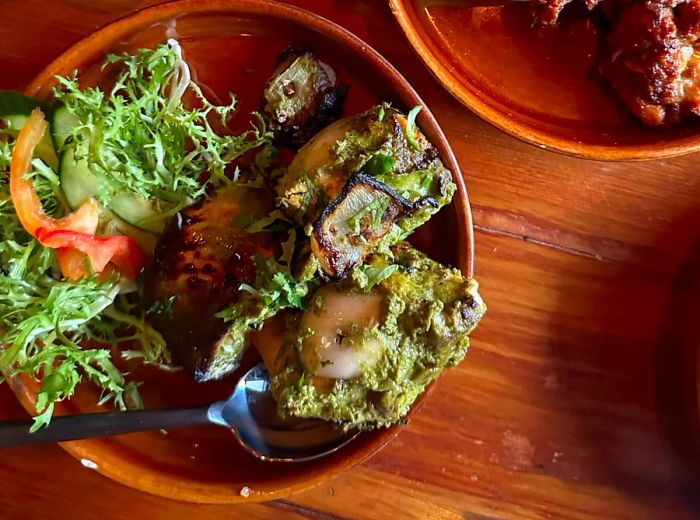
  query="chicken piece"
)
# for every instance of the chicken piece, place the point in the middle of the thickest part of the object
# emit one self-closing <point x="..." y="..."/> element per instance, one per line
<point x="650" y="59"/>
<point x="198" y="266"/>
<point x="546" y="12"/>
<point x="302" y="97"/>
<point x="390" y="155"/>
<point x="366" y="348"/>
<point x="648" y="56"/>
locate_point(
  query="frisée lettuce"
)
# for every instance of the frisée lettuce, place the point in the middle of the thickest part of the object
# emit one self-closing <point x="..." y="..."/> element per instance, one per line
<point x="152" y="135"/>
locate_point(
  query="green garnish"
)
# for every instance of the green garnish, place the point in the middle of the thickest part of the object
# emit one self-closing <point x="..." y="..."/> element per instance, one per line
<point x="411" y="126"/>
<point x="275" y="221"/>
<point x="162" y="306"/>
<point x="309" y="191"/>
<point x="380" y="113"/>
<point x="288" y="247"/>
<point x="375" y="210"/>
<point x="5" y="156"/>
<point x="378" y="164"/>
<point x="376" y="275"/>
<point x="274" y="289"/>
<point x="140" y="136"/>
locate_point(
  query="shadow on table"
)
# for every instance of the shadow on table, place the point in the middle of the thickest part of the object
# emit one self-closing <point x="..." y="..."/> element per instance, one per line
<point x="630" y="360"/>
<point x="677" y="367"/>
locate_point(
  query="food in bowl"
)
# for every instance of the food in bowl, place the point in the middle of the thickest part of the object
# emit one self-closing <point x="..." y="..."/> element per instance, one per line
<point x="648" y="53"/>
<point x="136" y="224"/>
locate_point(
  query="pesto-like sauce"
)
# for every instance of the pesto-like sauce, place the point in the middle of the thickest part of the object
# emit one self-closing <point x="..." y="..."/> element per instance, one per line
<point x="375" y="143"/>
<point x="427" y="313"/>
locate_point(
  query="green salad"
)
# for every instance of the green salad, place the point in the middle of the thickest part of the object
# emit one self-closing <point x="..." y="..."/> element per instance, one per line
<point x="136" y="225"/>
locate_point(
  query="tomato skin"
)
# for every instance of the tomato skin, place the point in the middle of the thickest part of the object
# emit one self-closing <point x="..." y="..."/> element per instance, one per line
<point x="120" y="250"/>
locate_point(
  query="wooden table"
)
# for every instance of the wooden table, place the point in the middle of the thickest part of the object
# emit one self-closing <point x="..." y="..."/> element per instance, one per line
<point x="577" y="398"/>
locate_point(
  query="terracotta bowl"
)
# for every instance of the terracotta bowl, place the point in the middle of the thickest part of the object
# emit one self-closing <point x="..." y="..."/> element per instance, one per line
<point x="232" y="46"/>
<point x="538" y="86"/>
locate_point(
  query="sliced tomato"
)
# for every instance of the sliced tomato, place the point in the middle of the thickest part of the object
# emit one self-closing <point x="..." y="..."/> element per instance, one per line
<point x="72" y="262"/>
<point x="120" y="250"/>
<point x="73" y="236"/>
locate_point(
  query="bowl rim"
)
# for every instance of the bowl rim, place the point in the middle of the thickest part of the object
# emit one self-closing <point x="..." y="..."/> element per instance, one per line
<point x="96" y="45"/>
<point x="402" y="10"/>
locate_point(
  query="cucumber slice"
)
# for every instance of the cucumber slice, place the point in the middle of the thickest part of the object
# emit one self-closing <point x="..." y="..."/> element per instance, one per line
<point x="113" y="225"/>
<point x="62" y="123"/>
<point x="77" y="181"/>
<point x="137" y="211"/>
<point x="79" y="184"/>
<point x="14" y="111"/>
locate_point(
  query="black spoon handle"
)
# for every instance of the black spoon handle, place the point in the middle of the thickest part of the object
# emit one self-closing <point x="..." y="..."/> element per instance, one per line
<point x="73" y="427"/>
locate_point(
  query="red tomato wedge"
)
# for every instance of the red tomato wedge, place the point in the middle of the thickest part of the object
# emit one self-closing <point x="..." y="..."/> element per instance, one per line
<point x="119" y="250"/>
<point x="73" y="236"/>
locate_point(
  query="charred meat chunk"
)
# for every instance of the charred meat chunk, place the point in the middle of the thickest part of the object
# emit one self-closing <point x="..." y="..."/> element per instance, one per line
<point x="650" y="59"/>
<point x="375" y="164"/>
<point x="199" y="264"/>
<point x="352" y="225"/>
<point x="649" y="54"/>
<point x="302" y="97"/>
<point x="546" y="12"/>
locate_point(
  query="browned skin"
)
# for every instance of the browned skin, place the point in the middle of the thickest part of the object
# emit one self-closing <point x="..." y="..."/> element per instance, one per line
<point x="546" y="12"/>
<point x="199" y="264"/>
<point x="648" y="55"/>
<point x="337" y="252"/>
<point x="321" y="109"/>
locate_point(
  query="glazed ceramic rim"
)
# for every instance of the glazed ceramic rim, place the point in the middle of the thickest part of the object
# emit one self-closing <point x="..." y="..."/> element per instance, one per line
<point x="92" y="47"/>
<point x="540" y="138"/>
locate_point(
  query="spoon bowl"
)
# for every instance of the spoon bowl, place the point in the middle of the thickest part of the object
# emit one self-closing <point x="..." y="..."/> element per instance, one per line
<point x="251" y="413"/>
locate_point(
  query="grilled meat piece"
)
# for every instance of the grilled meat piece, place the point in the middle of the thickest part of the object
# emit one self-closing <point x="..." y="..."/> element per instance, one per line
<point x="367" y="352"/>
<point x="302" y="97"/>
<point x="321" y="185"/>
<point x="648" y="56"/>
<point x="650" y="59"/>
<point x="546" y="12"/>
<point x="198" y="266"/>
<point x="352" y="225"/>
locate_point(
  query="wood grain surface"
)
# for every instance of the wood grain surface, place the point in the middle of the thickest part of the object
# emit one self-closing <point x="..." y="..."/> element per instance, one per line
<point x="577" y="399"/>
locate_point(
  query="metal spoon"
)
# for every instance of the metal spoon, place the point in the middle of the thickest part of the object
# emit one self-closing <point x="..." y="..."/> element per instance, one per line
<point x="250" y="412"/>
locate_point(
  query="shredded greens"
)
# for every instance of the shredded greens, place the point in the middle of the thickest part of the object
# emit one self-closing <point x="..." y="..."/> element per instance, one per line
<point x="56" y="330"/>
<point x="154" y="133"/>
<point x="375" y="210"/>
<point x="274" y="289"/>
<point x="376" y="274"/>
